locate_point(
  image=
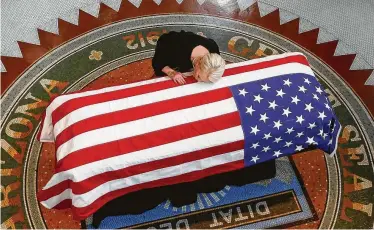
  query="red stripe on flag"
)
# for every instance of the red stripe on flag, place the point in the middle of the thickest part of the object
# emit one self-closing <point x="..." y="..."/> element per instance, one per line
<point x="45" y="194"/>
<point x="64" y="204"/>
<point x="80" y="102"/>
<point x="136" y="113"/>
<point x="95" y="181"/>
<point x="267" y="64"/>
<point x="84" y="212"/>
<point x="148" y="140"/>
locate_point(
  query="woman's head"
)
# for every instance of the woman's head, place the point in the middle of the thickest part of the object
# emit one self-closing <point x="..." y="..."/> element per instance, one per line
<point x="209" y="68"/>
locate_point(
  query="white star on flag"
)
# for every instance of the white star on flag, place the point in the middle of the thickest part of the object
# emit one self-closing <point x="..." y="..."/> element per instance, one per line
<point x="312" y="125"/>
<point x="327" y="106"/>
<point x="272" y="104"/>
<point x="255" y="130"/>
<point x="309" y="107"/>
<point x="287" y="82"/>
<point x="250" y="110"/>
<point x="278" y="139"/>
<point x="325" y="135"/>
<point x="242" y="92"/>
<point x="277" y="153"/>
<point x="299" y="148"/>
<point x="295" y="100"/>
<point x="277" y="124"/>
<point x="330" y="142"/>
<point x="315" y="97"/>
<point x="320" y="133"/>
<point x="288" y="144"/>
<point x="263" y="117"/>
<point x="289" y="131"/>
<point x="319" y="90"/>
<point x="322" y="115"/>
<point x="286" y="111"/>
<point x="311" y="141"/>
<point x="265" y="149"/>
<point x="265" y="87"/>
<point x="255" y="159"/>
<point x="300" y="119"/>
<point x="302" y="89"/>
<point x="300" y="134"/>
<point x="258" y="98"/>
<point x="255" y="145"/>
<point x="280" y="93"/>
<point x="267" y="136"/>
<point x="306" y="80"/>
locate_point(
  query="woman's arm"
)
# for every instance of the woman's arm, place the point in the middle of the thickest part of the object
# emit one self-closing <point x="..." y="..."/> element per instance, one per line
<point x="168" y="71"/>
<point x="161" y="56"/>
<point x="177" y="77"/>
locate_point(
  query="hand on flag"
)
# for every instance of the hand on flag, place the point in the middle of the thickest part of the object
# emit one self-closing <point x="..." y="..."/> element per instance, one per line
<point x="179" y="78"/>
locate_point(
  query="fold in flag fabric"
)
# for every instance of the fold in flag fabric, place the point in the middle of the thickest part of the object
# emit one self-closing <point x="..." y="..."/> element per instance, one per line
<point x="117" y="140"/>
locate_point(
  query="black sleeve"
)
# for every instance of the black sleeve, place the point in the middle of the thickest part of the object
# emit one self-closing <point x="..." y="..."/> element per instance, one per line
<point x="208" y="43"/>
<point x="212" y="46"/>
<point x="160" y="58"/>
<point x="174" y="50"/>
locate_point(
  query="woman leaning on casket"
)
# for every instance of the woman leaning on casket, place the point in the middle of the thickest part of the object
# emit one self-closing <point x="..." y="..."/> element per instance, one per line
<point x="180" y="52"/>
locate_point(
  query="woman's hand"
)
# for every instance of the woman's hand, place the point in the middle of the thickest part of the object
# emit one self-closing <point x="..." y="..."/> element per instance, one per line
<point x="179" y="78"/>
<point x="176" y="76"/>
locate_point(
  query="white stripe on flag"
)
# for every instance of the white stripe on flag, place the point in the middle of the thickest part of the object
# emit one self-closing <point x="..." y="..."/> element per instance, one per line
<point x="83" y="200"/>
<point x="55" y="200"/>
<point x="263" y="59"/>
<point x="46" y="132"/>
<point x="63" y="98"/>
<point x="48" y="137"/>
<point x="177" y="148"/>
<point x="149" y="98"/>
<point x="145" y="125"/>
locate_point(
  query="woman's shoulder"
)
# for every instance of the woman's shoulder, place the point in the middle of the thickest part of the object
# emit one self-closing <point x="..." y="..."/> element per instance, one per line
<point x="182" y="35"/>
<point x="167" y="35"/>
<point x="197" y="40"/>
<point x="211" y="45"/>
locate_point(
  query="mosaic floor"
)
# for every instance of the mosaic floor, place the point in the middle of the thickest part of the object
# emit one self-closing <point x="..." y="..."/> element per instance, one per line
<point x="115" y="48"/>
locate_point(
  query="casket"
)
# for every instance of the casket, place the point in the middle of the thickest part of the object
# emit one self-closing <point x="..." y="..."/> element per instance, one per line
<point x="117" y="140"/>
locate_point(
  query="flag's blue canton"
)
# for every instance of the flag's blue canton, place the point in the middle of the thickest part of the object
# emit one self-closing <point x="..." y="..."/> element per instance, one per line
<point x="284" y="115"/>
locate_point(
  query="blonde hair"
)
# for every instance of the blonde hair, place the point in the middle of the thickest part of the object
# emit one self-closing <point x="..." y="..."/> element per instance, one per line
<point x="212" y="64"/>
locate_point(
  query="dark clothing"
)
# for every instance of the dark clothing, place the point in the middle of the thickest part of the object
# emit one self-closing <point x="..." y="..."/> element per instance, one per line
<point x="174" y="50"/>
<point x="183" y="193"/>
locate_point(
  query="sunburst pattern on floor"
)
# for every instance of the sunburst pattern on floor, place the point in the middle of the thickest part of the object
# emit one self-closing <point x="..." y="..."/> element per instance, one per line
<point x="26" y="25"/>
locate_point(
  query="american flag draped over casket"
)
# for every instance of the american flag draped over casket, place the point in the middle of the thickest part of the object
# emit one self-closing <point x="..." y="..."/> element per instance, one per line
<point x="117" y="140"/>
